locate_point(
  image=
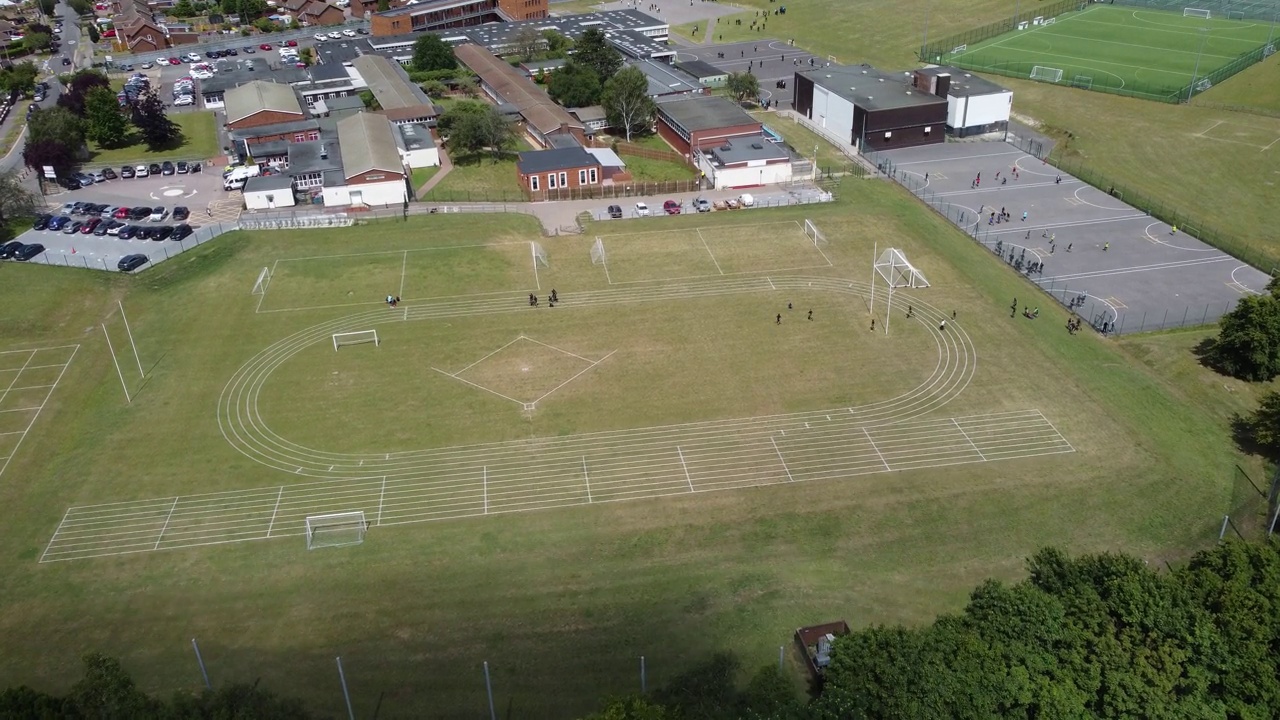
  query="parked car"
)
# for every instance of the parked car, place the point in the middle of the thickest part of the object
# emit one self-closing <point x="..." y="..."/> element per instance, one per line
<point x="167" y="168"/>
<point x="615" y="211"/>
<point x="183" y="167"/>
<point x="158" y="213"/>
<point x="154" y="168"/>
<point x="72" y="227"/>
<point x="88" y="226"/>
<point x="335" y="35"/>
<point x="58" y="223"/>
<point x="103" y="227"/>
<point x="121" y="213"/>
<point x="114" y="230"/>
<point x="143" y="233"/>
<point x="320" y="37"/>
<point x="99" y="176"/>
<point x="174" y="61"/>
<point x="42" y="221"/>
<point x="181" y="232"/>
<point x="109" y="174"/>
<point x="180" y="213"/>
<point x="127" y="232"/>
<point x="84" y="179"/>
<point x="671" y="207"/>
<point x="265" y="46"/>
<point x="349" y="33"/>
<point x="126" y="172"/>
<point x="162" y="233"/>
<point x="183" y="101"/>
<point x="129" y="263"/>
<point x="291" y="43"/>
<point x="362" y="31"/>
<point x="702" y="205"/>
<point x="192" y="57"/>
<point x="8" y="249"/>
<point x="746" y="200"/>
<point x="26" y="252"/>
<point x="249" y="51"/>
<point x="147" y="65"/>
<point x="141" y="171"/>
<point x="642" y="210"/>
<point x="66" y="61"/>
<point x="140" y="213"/>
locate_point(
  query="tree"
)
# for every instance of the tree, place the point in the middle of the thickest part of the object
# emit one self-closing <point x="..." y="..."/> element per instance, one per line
<point x="104" y="123"/>
<point x="432" y="53"/>
<point x="57" y="124"/>
<point x="94" y="35"/>
<point x="78" y="87"/>
<point x="36" y="154"/>
<point x="252" y="9"/>
<point x="454" y="115"/>
<point x="370" y="101"/>
<point x="574" y="85"/>
<point x="384" y="5"/>
<point x="20" y="78"/>
<point x="37" y="40"/>
<point x="15" y="199"/>
<point x="46" y="7"/>
<point x="1248" y="343"/>
<point x="528" y="43"/>
<point x="627" y="103"/>
<point x="558" y="46"/>
<point x="183" y="9"/>
<point x="743" y="85"/>
<point x="467" y="85"/>
<point x="149" y="117"/>
<point x="478" y="132"/>
<point x="1262" y="426"/>
<point x="81" y="7"/>
<point x="594" y="51"/>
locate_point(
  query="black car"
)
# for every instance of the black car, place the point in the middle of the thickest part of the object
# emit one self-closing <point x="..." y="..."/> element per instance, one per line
<point x="41" y="222"/>
<point x="181" y="232"/>
<point x="167" y="168"/>
<point x="140" y="213"/>
<point x="162" y="233"/>
<point x="126" y="172"/>
<point x="231" y="51"/>
<point x="127" y="232"/>
<point x="69" y="183"/>
<point x="26" y="252"/>
<point x="66" y="61"/>
<point x="109" y="174"/>
<point x="615" y="211"/>
<point x="362" y="31"/>
<point x="180" y="213"/>
<point x="129" y="263"/>
<point x="143" y="233"/>
<point x="8" y="249"/>
<point x="154" y="168"/>
<point x="195" y="167"/>
<point x="183" y="167"/>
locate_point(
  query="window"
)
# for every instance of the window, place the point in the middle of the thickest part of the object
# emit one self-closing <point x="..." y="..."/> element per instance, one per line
<point x="564" y="179"/>
<point x="593" y="176"/>
<point x="299" y="137"/>
<point x="309" y="180"/>
<point x="927" y="129"/>
<point x="888" y="135"/>
<point x="582" y="177"/>
<point x="533" y="183"/>
<point x="551" y="181"/>
<point x="313" y="135"/>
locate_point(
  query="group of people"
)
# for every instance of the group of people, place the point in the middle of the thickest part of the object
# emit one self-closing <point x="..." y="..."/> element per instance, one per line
<point x="778" y="320"/>
<point x="393" y="300"/>
<point x="552" y="299"/>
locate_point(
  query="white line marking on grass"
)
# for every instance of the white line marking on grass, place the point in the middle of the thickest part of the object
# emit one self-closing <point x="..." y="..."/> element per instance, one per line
<point x="878" y="453"/>
<point x="404" y="264"/>
<point x="1211" y="127"/>
<point x="486" y="357"/>
<point x="17" y="375"/>
<point x="30" y="387"/>
<point x="54" y="539"/>
<point x="686" y="468"/>
<point x="275" y="510"/>
<point x="781" y="460"/>
<point x="553" y="347"/>
<point x="382" y="496"/>
<point x="393" y="252"/>
<point x="575" y="377"/>
<point x="31" y="423"/>
<point x="484" y="479"/>
<point x="24" y="409"/>
<point x="771" y="285"/>
<point x="166" y="524"/>
<point x="1055" y="430"/>
<point x="479" y="387"/>
<point x="1270" y="144"/>
<point x="586" y="477"/>
<point x="966" y="437"/>
<point x="707" y="247"/>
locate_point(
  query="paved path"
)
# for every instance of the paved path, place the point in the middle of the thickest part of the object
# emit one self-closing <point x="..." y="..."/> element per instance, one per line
<point x="446" y="166"/>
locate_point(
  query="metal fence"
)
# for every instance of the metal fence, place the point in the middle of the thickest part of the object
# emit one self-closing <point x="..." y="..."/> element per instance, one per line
<point x="936" y="51"/>
<point x="1229" y="9"/>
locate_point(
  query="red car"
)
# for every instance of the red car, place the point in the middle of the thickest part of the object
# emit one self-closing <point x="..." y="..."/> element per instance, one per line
<point x="291" y="43"/>
<point x="671" y="207"/>
<point x="121" y="213"/>
<point x="89" y="226"/>
<point x="264" y="46"/>
<point x="174" y="61"/>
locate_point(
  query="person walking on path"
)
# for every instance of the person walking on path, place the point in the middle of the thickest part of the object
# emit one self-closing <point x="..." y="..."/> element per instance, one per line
<point x="1106" y="247"/>
<point x="810" y="314"/>
<point x="1024" y="216"/>
<point x="1175" y="230"/>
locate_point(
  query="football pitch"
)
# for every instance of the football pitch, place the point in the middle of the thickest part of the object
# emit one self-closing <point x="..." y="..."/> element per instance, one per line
<point x="1141" y="52"/>
<point x="659" y="465"/>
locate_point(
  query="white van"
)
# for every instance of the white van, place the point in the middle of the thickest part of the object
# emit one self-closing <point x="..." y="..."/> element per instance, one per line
<point x="746" y="200"/>
<point x="234" y="184"/>
<point x="241" y="172"/>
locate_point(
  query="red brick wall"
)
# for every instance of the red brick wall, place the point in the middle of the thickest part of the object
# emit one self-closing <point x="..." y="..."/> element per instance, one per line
<point x="330" y="16"/>
<point x="524" y="9"/>
<point x="571" y="178"/>
<point x="672" y="137"/>
<point x="717" y="136"/>
<point x="266" y="117"/>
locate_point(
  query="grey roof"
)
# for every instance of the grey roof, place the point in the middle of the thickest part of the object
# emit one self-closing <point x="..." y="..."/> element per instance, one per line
<point x="589" y="113"/>
<point x="331" y="53"/>
<point x="329" y="71"/>
<point x="704" y="112"/>
<point x="390" y="84"/>
<point x="228" y="79"/>
<point x="701" y="70"/>
<point x="271" y="148"/>
<point x="561" y="140"/>
<point x="512" y="86"/>
<point x="254" y="97"/>
<point x="539" y="161"/>
<point x="267" y="183"/>
<point x="367" y="144"/>
<point x="746" y="149"/>
<point x="347" y="102"/>
<point x="869" y="88"/>
<point x="393" y="41"/>
<point x="638" y="45"/>
<point x="552" y="64"/>
<point x="665" y="79"/>
<point x="304" y="157"/>
<point x="414" y="136"/>
<point x="965" y="84"/>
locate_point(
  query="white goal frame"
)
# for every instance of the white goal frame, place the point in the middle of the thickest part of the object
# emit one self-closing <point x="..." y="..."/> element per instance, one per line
<point x="892" y="267"/>
<point x="264" y="279"/>
<point x="815" y="235"/>
<point x="1048" y="74"/>
<point x="1050" y="21"/>
<point x="1197" y="13"/>
<point x="355" y="337"/>
<point x="336" y="529"/>
<point x="598" y="254"/>
<point x="539" y="254"/>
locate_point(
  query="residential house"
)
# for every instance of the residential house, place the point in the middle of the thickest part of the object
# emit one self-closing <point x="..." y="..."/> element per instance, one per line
<point x="544" y="172"/>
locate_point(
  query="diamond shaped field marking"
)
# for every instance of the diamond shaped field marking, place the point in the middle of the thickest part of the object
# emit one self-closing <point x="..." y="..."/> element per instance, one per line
<point x="524" y="371"/>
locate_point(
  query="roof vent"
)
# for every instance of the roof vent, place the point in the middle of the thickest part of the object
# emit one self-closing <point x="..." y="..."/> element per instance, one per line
<point x="324" y="153"/>
<point x="881" y="79"/>
<point x="757" y="146"/>
<point x="726" y="148"/>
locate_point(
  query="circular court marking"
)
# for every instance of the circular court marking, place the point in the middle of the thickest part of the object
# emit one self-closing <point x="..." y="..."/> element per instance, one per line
<point x="244" y="428"/>
<point x="686" y="57"/>
<point x="1082" y="188"/>
<point x="1147" y="231"/>
<point x="1237" y="282"/>
<point x="1018" y="164"/>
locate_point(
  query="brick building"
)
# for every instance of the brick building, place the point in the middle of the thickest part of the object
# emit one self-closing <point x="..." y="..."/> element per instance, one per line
<point x="447" y="14"/>
<point x="543" y="172"/>
<point x="871" y="109"/>
<point x="260" y="103"/>
<point x="695" y="122"/>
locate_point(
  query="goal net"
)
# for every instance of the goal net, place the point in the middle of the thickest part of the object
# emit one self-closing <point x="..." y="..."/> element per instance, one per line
<point x="893" y="268"/>
<point x="539" y="255"/>
<point x="1235" y="15"/>
<point x="1048" y="74"/>
<point x="959" y="49"/>
<point x="264" y="279"/>
<point x="598" y="256"/>
<point x="1195" y="12"/>
<point x="355" y="338"/>
<point x="1050" y="21"/>
<point x="1203" y="84"/>
<point x="1083" y="81"/>
<point x="336" y="529"/>
<point x="815" y="235"/>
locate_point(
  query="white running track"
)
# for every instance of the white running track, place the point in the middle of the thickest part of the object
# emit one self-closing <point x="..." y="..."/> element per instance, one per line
<point x="466" y="481"/>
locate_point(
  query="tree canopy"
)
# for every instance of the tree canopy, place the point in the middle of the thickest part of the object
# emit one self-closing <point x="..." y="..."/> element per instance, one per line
<point x="105" y="124"/>
<point x="574" y="85"/>
<point x="475" y="127"/>
<point x="594" y="51"/>
<point x="1248" y="342"/>
<point x="626" y="102"/>
<point x="432" y="53"/>
<point x="78" y="89"/>
<point x="149" y="117"/>
<point x="743" y="85"/>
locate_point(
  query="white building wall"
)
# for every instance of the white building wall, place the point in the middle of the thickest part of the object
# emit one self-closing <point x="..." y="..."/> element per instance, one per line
<point x="372" y="194"/>
<point x="268" y="199"/>
<point x="423" y="157"/>
<point x="832" y="112"/>
<point x="737" y="177"/>
<point x="979" y="109"/>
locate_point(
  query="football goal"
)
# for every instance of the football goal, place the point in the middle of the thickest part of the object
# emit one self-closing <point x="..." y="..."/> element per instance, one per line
<point x="598" y="256"/>
<point x="336" y="529"/>
<point x="1050" y="21"/>
<point x="1235" y="15"/>
<point x="1195" y="12"/>
<point x="1082" y="81"/>
<point x="815" y="235"/>
<point x="264" y="279"/>
<point x="539" y="255"/>
<point x="357" y="337"/>
<point x="959" y="49"/>
<point x="893" y="268"/>
<point x="1047" y="74"/>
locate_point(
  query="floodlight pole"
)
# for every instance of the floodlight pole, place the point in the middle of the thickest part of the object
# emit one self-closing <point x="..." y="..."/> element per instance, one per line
<point x="924" y="43"/>
<point x="130" y="334"/>
<point x="1204" y="35"/>
<point x="117" y="364"/>
<point x="200" y="660"/>
<point x="345" y="695"/>
<point x="643" y="684"/>
<point x="1271" y="33"/>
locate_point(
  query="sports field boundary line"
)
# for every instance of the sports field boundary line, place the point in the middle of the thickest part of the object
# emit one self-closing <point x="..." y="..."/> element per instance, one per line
<point x="57" y="530"/>
<point x="491" y="354"/>
<point x="782" y="460"/>
<point x="586" y="477"/>
<point x="965" y="157"/>
<point x="478" y="386"/>
<point x="576" y="375"/>
<point x="966" y="437"/>
<point x="275" y="510"/>
<point x="1057" y="226"/>
<point x="166" y="522"/>
<point x="1140" y="268"/>
<point x="670" y="231"/>
<point x="707" y="247"/>
<point x="18" y="374"/>
<point x="685" y="465"/>
<point x="557" y="349"/>
<point x="878" y="453"/>
<point x="13" y="452"/>
<point x="395" y="252"/>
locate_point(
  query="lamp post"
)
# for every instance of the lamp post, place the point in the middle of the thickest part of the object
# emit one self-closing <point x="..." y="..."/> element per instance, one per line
<point x="1195" y="74"/>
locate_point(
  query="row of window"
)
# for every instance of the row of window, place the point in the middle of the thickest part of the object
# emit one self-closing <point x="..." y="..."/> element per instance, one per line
<point x="308" y="180"/>
<point x="309" y="136"/>
<point x="554" y="181"/>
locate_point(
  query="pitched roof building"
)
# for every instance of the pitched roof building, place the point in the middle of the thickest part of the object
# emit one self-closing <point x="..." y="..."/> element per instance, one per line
<point x="505" y="84"/>
<point x="401" y="100"/>
<point x="261" y="103"/>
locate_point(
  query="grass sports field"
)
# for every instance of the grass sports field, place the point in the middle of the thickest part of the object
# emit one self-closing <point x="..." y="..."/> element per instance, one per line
<point x="653" y="467"/>
<point x="1141" y="52"/>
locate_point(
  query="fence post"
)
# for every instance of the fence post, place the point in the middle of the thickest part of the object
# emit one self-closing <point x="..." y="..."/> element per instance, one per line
<point x="1143" y="325"/>
<point x="1165" y="320"/>
<point x="1205" y="320"/>
<point x="1184" y="315"/>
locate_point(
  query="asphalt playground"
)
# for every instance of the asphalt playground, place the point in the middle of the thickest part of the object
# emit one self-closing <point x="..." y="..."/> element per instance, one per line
<point x="1134" y="272"/>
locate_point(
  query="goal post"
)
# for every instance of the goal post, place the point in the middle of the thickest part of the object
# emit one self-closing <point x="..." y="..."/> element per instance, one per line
<point x="356" y="337"/>
<point x="598" y="256"/>
<point x="264" y="279"/>
<point x="1047" y="74"/>
<point x="336" y="529"/>
<point x="1196" y="13"/>
<point x="1050" y="21"/>
<point x="1082" y="81"/>
<point x="539" y="255"/>
<point x="815" y="235"/>
<point x="892" y="267"/>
